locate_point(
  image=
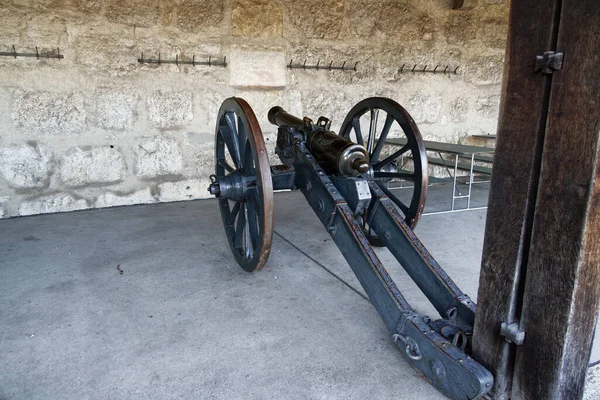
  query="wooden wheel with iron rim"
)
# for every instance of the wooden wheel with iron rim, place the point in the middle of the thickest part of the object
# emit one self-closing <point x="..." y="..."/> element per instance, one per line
<point x="243" y="185"/>
<point x="371" y="113"/>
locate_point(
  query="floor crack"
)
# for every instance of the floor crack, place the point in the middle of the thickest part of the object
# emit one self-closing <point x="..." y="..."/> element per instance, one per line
<point x="322" y="266"/>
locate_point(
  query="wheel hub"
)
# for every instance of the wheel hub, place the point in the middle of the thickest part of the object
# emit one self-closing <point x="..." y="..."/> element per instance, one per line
<point x="233" y="186"/>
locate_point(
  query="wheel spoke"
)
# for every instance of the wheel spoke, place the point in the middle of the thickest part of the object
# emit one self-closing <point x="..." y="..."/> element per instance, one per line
<point x="395" y="199"/>
<point x="253" y="197"/>
<point x="242" y="138"/>
<point x="226" y="165"/>
<point x="356" y="125"/>
<point x="400" y="175"/>
<point x="230" y="136"/>
<point x="249" y="169"/>
<point x="372" y="129"/>
<point x="381" y="141"/>
<point x="252" y="224"/>
<point x="234" y="212"/>
<point x="240" y="227"/>
<point x="391" y="158"/>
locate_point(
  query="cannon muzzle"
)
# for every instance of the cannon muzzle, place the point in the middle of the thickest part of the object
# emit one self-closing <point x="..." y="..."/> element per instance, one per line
<point x="278" y="116"/>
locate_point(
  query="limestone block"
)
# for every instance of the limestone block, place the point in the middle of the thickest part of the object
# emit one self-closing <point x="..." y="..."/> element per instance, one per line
<point x="24" y="167"/>
<point x="115" y="108"/>
<point x="333" y="104"/>
<point x="158" y="156"/>
<point x="485" y="70"/>
<point x="362" y="17"/>
<point x="400" y="21"/>
<point x="170" y="109"/>
<point x="493" y="28"/>
<point x="3" y="201"/>
<point x="257" y="69"/>
<point x="208" y="104"/>
<point x="57" y="113"/>
<point x="458" y="109"/>
<point x="293" y="102"/>
<point x="133" y="12"/>
<point x="51" y="204"/>
<point x="100" y="165"/>
<point x="461" y="28"/>
<point x="91" y="6"/>
<point x="183" y="190"/>
<point x="425" y="108"/>
<point x="317" y="18"/>
<point x="111" y="199"/>
<point x="261" y="102"/>
<point x="256" y="18"/>
<point x="109" y="54"/>
<point x="488" y="106"/>
<point x="199" y="139"/>
<point x="198" y="15"/>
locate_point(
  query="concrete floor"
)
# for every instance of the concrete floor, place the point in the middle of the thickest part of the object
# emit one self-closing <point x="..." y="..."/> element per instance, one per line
<point x="184" y="321"/>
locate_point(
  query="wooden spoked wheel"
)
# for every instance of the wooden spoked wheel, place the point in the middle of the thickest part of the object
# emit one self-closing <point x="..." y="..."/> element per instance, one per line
<point x="370" y="123"/>
<point x="243" y="185"/>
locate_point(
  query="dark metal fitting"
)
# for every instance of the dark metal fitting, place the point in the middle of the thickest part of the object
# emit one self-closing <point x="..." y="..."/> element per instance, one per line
<point x="360" y="165"/>
<point x="214" y="189"/>
<point x="412" y="348"/>
<point x="308" y="124"/>
<point x="452" y="312"/>
<point x="549" y="62"/>
<point x="512" y="333"/>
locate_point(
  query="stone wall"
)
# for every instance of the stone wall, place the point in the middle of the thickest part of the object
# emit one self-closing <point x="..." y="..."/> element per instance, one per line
<point x="97" y="129"/>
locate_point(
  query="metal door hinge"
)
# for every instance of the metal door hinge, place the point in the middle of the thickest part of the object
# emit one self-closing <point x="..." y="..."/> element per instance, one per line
<point x="512" y="333"/>
<point x="549" y="62"/>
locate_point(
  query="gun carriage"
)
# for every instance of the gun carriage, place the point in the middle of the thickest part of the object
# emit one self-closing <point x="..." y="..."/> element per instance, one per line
<point x="344" y="179"/>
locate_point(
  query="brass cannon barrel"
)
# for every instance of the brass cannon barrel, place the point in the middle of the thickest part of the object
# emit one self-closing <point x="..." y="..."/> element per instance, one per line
<point x="338" y="154"/>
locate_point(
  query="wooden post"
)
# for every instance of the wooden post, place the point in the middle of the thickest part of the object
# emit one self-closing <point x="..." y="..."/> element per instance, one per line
<point x="541" y="259"/>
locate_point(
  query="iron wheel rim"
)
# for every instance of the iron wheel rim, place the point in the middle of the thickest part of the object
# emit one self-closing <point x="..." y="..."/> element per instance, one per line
<point x="415" y="146"/>
<point x="248" y="222"/>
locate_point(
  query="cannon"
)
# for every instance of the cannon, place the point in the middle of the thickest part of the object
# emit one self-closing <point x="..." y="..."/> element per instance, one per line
<point x="345" y="177"/>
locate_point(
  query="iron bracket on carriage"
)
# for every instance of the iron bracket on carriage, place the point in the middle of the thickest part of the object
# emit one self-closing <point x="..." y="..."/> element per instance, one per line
<point x="345" y="180"/>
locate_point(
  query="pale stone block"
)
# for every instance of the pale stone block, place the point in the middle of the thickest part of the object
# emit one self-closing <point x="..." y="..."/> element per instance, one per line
<point x="183" y="190"/>
<point x="333" y="104"/>
<point x="51" y="204"/>
<point x="58" y="113"/>
<point x="170" y="109"/>
<point x="83" y="167"/>
<point x="3" y="200"/>
<point x="208" y="105"/>
<point x="424" y="108"/>
<point x="488" y="106"/>
<point x="158" y="156"/>
<point x="24" y="167"/>
<point x="106" y="53"/>
<point x="115" y="108"/>
<point x="256" y="18"/>
<point x="111" y="199"/>
<point x="458" y="109"/>
<point x="485" y="70"/>
<point x="257" y="69"/>
<point x="261" y="102"/>
<point x="294" y="102"/>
